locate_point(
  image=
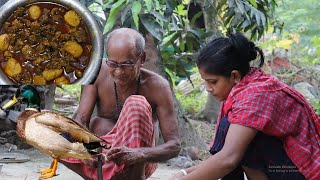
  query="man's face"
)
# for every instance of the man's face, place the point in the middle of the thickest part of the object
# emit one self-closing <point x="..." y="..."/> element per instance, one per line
<point x="123" y="63"/>
<point x="217" y="86"/>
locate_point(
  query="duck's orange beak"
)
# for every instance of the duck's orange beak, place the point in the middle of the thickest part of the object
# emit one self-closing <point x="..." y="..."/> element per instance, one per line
<point x="13" y="101"/>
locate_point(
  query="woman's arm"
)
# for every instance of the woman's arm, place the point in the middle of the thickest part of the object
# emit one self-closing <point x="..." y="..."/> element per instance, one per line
<point x="237" y="140"/>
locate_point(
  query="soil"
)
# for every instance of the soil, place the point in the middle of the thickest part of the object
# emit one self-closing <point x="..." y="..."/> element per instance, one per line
<point x="37" y="160"/>
<point x="29" y="170"/>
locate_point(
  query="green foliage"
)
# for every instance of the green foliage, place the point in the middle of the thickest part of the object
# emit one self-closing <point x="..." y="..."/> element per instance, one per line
<point x="116" y="7"/>
<point x="247" y="15"/>
<point x="72" y="89"/>
<point x="315" y="50"/>
<point x="285" y="41"/>
<point x="193" y="102"/>
<point x="136" y="8"/>
<point x="192" y="96"/>
<point x="178" y="36"/>
<point x="301" y="18"/>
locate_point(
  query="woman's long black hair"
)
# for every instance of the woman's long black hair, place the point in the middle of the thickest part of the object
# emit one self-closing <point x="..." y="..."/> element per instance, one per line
<point x="223" y="55"/>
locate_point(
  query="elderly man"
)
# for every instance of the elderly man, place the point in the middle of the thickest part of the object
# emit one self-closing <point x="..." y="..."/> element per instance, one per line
<point x="131" y="103"/>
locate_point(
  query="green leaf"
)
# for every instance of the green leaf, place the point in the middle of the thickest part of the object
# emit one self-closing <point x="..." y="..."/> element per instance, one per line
<point x="152" y="26"/>
<point x="231" y="3"/>
<point x="87" y="3"/>
<point x="245" y="23"/>
<point x="169" y="77"/>
<point x="113" y="16"/>
<point x="190" y="45"/>
<point x="257" y="16"/>
<point x="125" y="13"/>
<point x="240" y="6"/>
<point x="263" y="19"/>
<point x="159" y="16"/>
<point x="181" y="10"/>
<point x="170" y="38"/>
<point x="136" y="8"/>
<point x="253" y="2"/>
<point x="197" y="32"/>
<point x="195" y="17"/>
<point x="181" y="43"/>
<point x="148" y="3"/>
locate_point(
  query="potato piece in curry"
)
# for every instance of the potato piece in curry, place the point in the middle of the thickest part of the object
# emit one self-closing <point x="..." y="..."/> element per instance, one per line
<point x="4" y="42"/>
<point x="51" y="74"/>
<point x="72" y="18"/>
<point x="39" y="80"/>
<point x="12" y="67"/>
<point x="61" y="80"/>
<point x="73" y="48"/>
<point x="34" y="12"/>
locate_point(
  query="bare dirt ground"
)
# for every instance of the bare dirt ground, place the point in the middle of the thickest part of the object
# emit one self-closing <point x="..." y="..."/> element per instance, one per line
<point x="29" y="170"/>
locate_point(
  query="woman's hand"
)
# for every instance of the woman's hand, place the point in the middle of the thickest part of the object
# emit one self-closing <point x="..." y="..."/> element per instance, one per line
<point x="177" y="176"/>
<point x="125" y="155"/>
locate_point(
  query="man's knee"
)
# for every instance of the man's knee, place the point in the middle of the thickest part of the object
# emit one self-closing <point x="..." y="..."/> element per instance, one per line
<point x="135" y="102"/>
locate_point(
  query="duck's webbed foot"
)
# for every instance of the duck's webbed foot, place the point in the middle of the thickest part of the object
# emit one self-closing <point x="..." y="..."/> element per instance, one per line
<point x="49" y="172"/>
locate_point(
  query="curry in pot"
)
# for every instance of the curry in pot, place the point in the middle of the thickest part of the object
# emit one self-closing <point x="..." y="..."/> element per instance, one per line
<point x="44" y="43"/>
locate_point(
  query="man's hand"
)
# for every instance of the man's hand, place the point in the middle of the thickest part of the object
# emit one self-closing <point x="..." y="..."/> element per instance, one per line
<point x="125" y="155"/>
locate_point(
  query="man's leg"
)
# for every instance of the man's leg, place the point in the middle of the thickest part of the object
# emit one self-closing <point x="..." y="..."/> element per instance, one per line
<point x="134" y="129"/>
<point x="101" y="126"/>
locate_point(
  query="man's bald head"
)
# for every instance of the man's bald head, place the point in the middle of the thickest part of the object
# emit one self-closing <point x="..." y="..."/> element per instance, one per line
<point x="126" y="35"/>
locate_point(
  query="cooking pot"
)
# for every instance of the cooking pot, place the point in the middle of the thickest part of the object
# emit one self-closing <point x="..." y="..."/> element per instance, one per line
<point x="87" y="17"/>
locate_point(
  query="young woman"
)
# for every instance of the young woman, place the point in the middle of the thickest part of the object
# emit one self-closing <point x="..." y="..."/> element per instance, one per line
<point x="265" y="128"/>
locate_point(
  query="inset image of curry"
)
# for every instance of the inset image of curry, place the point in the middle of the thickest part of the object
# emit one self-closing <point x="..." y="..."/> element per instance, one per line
<point x="44" y="43"/>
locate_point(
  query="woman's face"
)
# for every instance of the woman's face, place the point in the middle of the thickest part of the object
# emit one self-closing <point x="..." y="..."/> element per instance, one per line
<point x="219" y="86"/>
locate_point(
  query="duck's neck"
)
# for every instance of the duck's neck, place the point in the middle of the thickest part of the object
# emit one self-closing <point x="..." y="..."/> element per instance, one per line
<point x="32" y="109"/>
<point x="33" y="106"/>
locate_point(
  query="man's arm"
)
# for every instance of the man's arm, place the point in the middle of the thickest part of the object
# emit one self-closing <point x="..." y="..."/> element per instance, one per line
<point x="168" y="125"/>
<point x="87" y="104"/>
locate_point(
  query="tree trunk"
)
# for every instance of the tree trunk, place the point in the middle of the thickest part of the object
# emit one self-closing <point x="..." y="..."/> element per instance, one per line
<point x="49" y="94"/>
<point x="211" y="109"/>
<point x="188" y="134"/>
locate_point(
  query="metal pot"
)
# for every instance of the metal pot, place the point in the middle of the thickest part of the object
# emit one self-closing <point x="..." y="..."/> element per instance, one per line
<point x="93" y="67"/>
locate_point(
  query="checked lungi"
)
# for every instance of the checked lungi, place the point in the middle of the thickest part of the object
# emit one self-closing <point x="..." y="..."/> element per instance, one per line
<point x="134" y="129"/>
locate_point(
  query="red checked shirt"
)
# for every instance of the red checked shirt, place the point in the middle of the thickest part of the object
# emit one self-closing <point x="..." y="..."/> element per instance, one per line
<point x="263" y="102"/>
